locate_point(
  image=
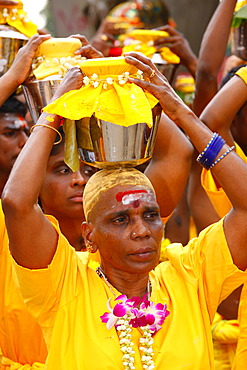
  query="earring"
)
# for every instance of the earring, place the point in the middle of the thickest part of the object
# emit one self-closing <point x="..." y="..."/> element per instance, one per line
<point x="89" y="248"/>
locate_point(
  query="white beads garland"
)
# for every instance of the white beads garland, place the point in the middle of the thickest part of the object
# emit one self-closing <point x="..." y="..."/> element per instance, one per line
<point x="126" y="345"/>
<point x="13" y="15"/>
<point x="122" y="79"/>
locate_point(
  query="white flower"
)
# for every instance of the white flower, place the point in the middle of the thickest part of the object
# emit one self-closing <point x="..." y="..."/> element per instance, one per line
<point x="109" y="81"/>
<point x="94" y="77"/>
<point x="86" y="80"/>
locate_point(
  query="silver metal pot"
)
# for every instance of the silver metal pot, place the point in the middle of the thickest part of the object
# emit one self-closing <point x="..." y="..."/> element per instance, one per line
<point x="107" y="145"/>
<point x="10" y="42"/>
<point x="39" y="93"/>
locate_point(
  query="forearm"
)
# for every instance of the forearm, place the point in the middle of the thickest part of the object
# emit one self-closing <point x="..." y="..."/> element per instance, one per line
<point x="229" y="171"/>
<point x="8" y="84"/>
<point x="170" y="165"/>
<point x="215" y="39"/>
<point x="221" y="111"/>
<point x="212" y="53"/>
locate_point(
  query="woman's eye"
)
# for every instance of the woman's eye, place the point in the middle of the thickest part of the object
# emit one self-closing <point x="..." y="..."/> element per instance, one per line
<point x="152" y="215"/>
<point x="9" y="133"/>
<point x="64" y="170"/>
<point x="119" y="220"/>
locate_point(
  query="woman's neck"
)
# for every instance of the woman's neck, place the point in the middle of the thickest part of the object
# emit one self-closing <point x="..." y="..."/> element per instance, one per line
<point x="71" y="229"/>
<point x="132" y="285"/>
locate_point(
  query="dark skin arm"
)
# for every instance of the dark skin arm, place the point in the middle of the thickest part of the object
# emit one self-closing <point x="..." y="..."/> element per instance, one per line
<point x="168" y="174"/>
<point x="214" y="43"/>
<point x="24" y="218"/>
<point x="20" y="68"/>
<point x="231" y="172"/>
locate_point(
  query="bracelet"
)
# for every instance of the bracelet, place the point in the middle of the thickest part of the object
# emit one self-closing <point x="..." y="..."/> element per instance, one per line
<point x="51" y="127"/>
<point x="222" y="156"/>
<point x="209" y="154"/>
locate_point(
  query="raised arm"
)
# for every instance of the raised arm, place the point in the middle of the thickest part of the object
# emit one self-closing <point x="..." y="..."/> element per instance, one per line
<point x="169" y="167"/>
<point x="33" y="239"/>
<point x="21" y="67"/>
<point x="212" y="53"/>
<point x="231" y="171"/>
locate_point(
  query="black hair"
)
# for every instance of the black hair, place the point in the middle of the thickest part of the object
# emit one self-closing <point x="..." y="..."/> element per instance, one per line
<point x="230" y="74"/>
<point x="13" y="105"/>
<point x="57" y="148"/>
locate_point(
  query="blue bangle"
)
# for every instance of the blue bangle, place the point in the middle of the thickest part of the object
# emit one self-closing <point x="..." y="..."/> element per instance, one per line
<point x="222" y="156"/>
<point x="209" y="154"/>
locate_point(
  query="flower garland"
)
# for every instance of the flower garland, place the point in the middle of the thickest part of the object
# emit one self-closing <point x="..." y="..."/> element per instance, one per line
<point x="136" y="313"/>
<point x="122" y="79"/>
<point x="63" y="63"/>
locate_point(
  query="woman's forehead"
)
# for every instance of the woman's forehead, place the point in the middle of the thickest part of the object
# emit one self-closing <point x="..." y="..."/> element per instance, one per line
<point x="128" y="194"/>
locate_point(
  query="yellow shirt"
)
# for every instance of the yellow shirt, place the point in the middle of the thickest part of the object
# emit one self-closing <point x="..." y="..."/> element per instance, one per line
<point x="240" y="360"/>
<point x="21" y="338"/>
<point x="68" y="298"/>
<point x="217" y="196"/>
<point x="225" y="337"/>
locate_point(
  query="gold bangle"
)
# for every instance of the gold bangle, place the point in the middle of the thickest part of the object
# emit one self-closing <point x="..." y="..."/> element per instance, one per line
<point x="51" y="127"/>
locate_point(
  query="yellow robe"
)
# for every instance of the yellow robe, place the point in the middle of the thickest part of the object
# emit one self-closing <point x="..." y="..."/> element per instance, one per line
<point x="224" y="353"/>
<point x="21" y="338"/>
<point x="68" y="298"/>
<point x="217" y="196"/>
<point x="240" y="361"/>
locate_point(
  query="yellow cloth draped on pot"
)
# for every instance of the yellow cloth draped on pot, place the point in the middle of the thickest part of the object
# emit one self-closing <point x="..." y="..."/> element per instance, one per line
<point x="56" y="56"/>
<point x="142" y="41"/>
<point x="16" y="17"/>
<point x="107" y="94"/>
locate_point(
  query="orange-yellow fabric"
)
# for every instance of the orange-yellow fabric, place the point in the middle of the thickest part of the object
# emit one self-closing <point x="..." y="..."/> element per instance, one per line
<point x="16" y="17"/>
<point x="192" y="283"/>
<point x="122" y="104"/>
<point x="56" y="56"/>
<point x="225" y="337"/>
<point x="21" y="339"/>
<point x="240" y="360"/>
<point x="142" y="42"/>
<point x="217" y="195"/>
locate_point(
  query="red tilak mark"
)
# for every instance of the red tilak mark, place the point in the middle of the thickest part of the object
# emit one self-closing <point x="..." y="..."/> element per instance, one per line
<point x="120" y="195"/>
<point x="135" y="203"/>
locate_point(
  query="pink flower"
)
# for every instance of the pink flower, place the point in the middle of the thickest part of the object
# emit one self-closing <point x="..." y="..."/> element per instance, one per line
<point x="148" y="314"/>
<point x="121" y="309"/>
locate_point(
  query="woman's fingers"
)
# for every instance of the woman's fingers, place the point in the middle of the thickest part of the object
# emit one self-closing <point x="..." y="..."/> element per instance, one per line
<point x="145" y="64"/>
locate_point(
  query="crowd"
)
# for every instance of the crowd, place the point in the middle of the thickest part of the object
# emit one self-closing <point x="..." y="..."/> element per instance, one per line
<point x="121" y="267"/>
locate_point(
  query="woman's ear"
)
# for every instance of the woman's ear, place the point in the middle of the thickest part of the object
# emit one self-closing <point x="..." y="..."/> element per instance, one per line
<point x="87" y="233"/>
